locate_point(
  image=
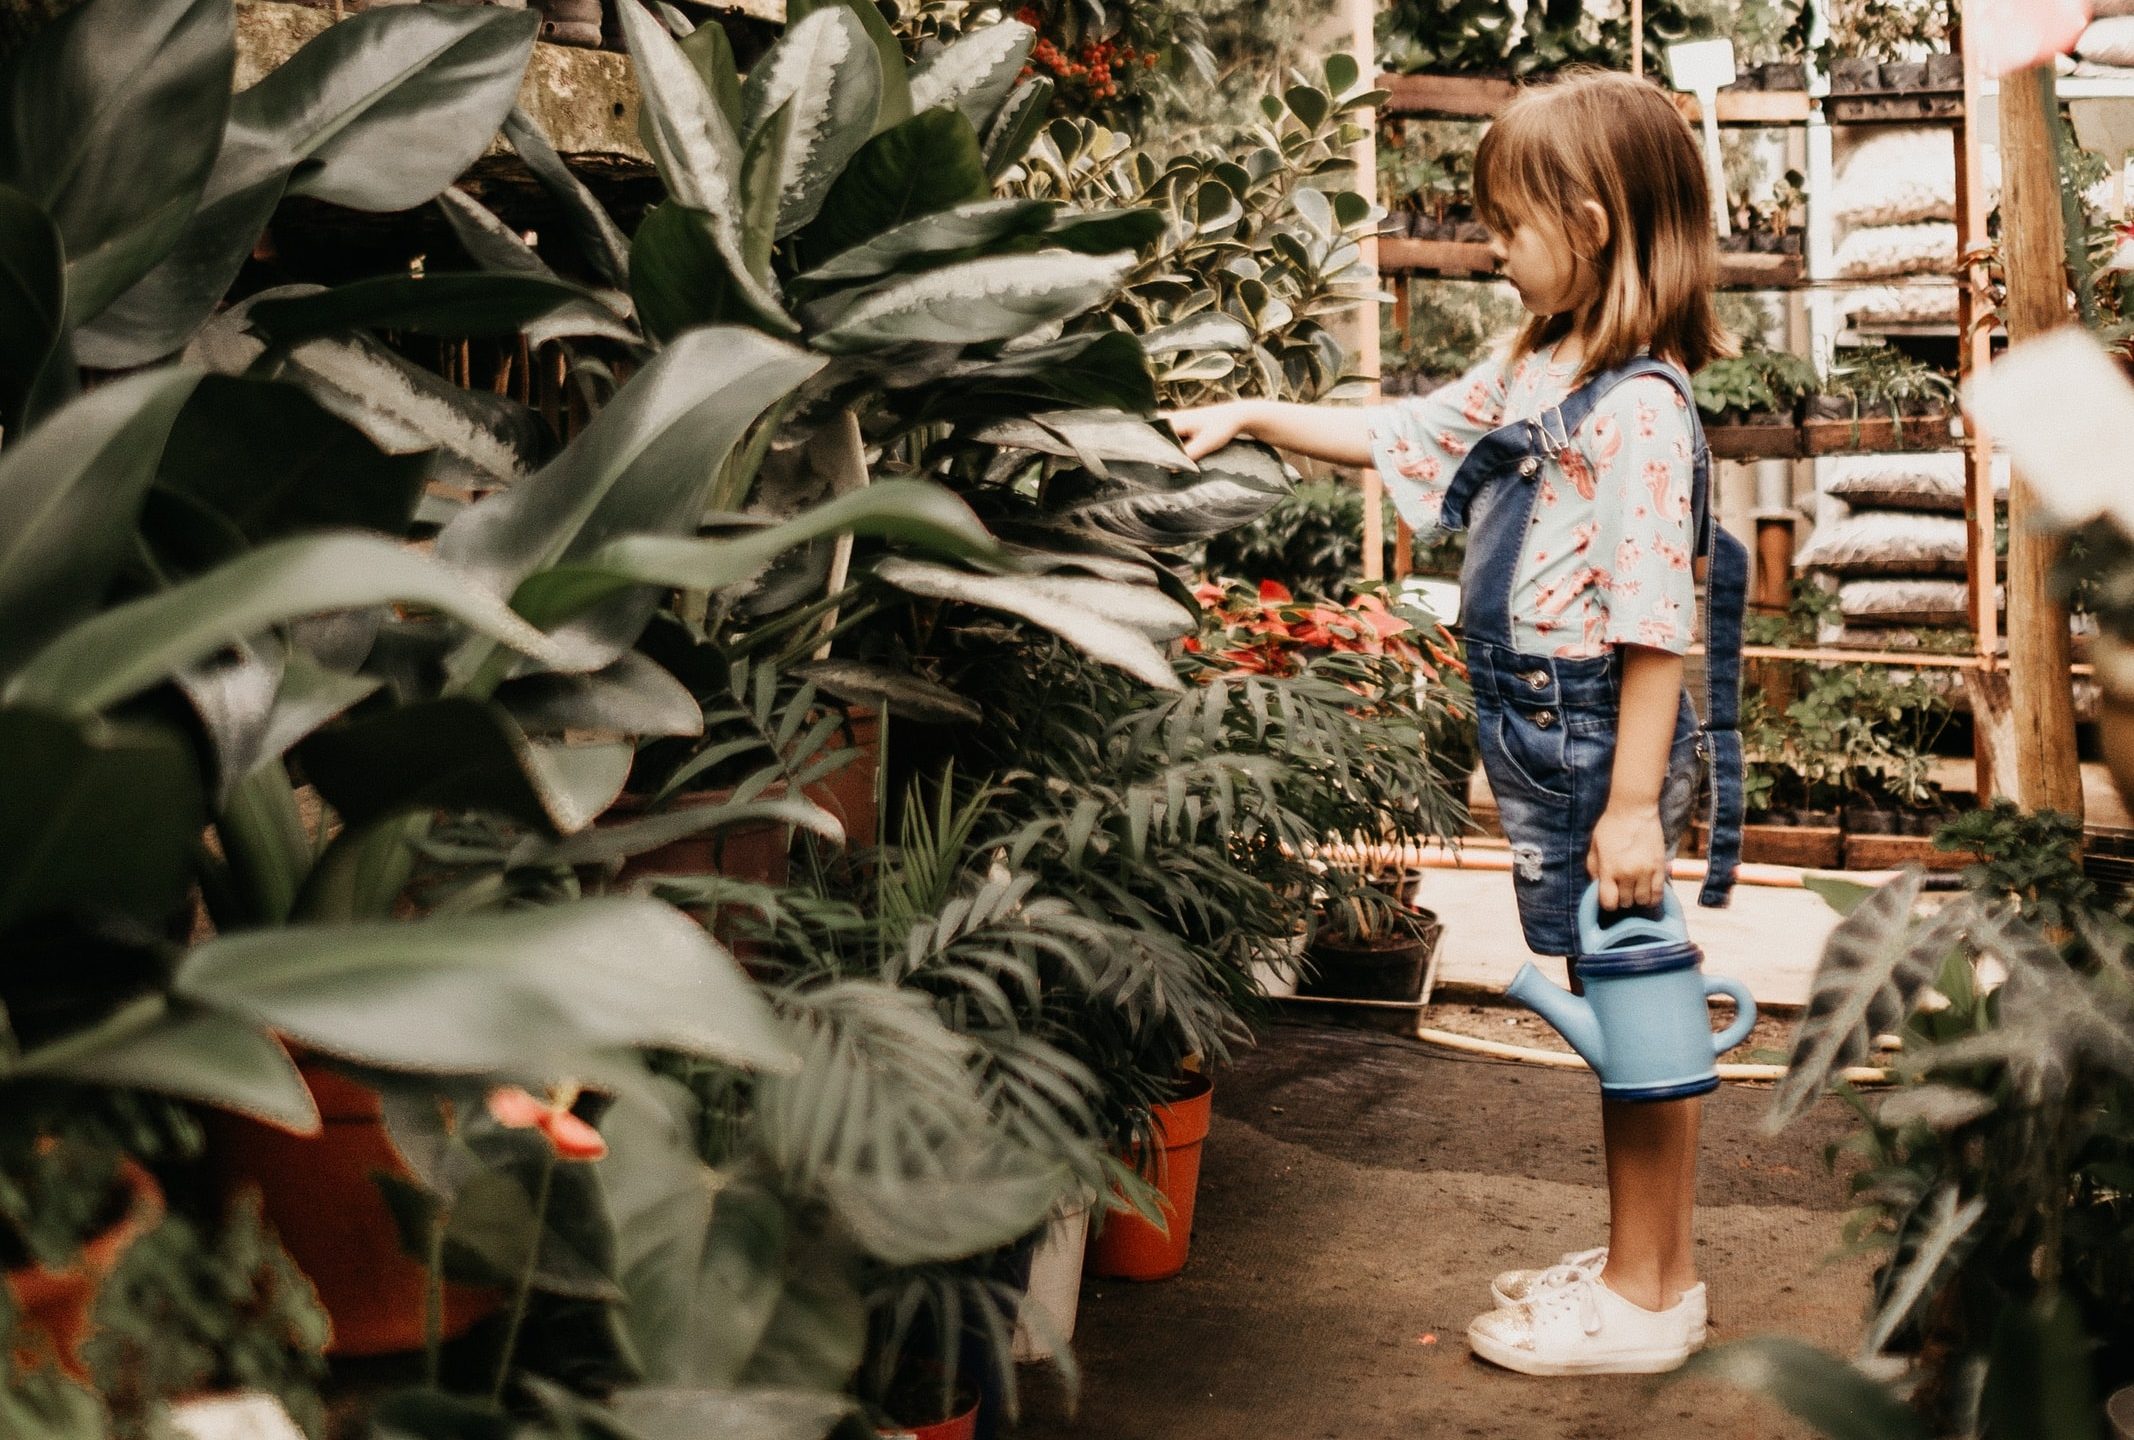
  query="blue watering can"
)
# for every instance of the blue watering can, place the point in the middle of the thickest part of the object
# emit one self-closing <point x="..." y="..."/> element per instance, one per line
<point x="1642" y="1023"/>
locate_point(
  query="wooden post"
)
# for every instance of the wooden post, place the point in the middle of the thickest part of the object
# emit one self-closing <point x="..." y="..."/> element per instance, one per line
<point x="1637" y="38"/>
<point x="1363" y="42"/>
<point x="2034" y="253"/>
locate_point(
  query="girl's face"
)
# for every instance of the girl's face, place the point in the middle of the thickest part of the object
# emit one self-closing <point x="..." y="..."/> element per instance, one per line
<point x="1542" y="267"/>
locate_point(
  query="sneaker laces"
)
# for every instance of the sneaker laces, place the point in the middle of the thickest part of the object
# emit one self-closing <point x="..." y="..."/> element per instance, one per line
<point x="1580" y="1294"/>
<point x="1570" y="1269"/>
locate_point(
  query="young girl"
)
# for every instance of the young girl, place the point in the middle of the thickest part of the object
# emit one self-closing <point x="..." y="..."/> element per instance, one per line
<point x="1576" y="461"/>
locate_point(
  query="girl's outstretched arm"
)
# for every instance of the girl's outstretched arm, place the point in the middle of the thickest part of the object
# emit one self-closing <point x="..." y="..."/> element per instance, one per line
<point x="1330" y="433"/>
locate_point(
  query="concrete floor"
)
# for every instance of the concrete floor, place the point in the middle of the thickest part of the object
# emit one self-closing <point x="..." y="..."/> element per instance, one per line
<point x="1357" y="1193"/>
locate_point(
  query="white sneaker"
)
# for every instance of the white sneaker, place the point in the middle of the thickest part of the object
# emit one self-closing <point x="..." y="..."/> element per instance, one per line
<point x="1584" y="1328"/>
<point x="1517" y="1287"/>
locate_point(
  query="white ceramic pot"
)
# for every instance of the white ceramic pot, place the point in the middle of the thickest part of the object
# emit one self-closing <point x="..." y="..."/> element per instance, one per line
<point x="1277" y="979"/>
<point x="2119" y="1412"/>
<point x="1055" y="1292"/>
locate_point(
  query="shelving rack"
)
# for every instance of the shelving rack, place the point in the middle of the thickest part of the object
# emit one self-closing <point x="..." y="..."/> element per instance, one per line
<point x="1476" y="98"/>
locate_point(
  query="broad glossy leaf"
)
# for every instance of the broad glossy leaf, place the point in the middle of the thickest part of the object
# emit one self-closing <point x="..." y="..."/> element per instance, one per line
<point x="1099" y="232"/>
<point x="1009" y="137"/>
<point x="627" y="838"/>
<point x="1212" y="330"/>
<point x="712" y="53"/>
<point x="633" y="696"/>
<point x="997" y="298"/>
<point x="598" y="239"/>
<point x="679" y="277"/>
<point x="1083" y="613"/>
<point x="916" y="513"/>
<point x="896" y="105"/>
<point x="1092" y="437"/>
<point x="194" y="1053"/>
<point x="449" y="303"/>
<point x="113" y="115"/>
<point x="1168" y="508"/>
<point x="645" y="466"/>
<point x="1837" y="1400"/>
<point x="698" y="154"/>
<point x="1926" y="1262"/>
<point x="130" y="647"/>
<point x="70" y="490"/>
<point x="96" y="817"/>
<point x="530" y="992"/>
<point x="1104" y="370"/>
<point x="455" y="754"/>
<point x="761" y="196"/>
<point x="33" y="299"/>
<point x="250" y="461"/>
<point x="961" y="232"/>
<point x="975" y="73"/>
<point x="387" y="108"/>
<point x="489" y="242"/>
<point x="926" y="164"/>
<point x="825" y="73"/>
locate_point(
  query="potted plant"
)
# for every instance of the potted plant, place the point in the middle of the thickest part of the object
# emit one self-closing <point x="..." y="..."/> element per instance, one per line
<point x="1879" y="398"/>
<point x="1750" y="402"/>
<point x="1371" y="942"/>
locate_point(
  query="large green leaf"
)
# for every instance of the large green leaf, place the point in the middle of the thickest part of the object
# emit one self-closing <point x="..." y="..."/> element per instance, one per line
<point x="385" y="109"/>
<point x="128" y="648"/>
<point x="634" y="696"/>
<point x="896" y="105"/>
<point x="644" y="466"/>
<point x="926" y="164"/>
<point x="69" y="493"/>
<point x="250" y="461"/>
<point x="712" y="53"/>
<point x="679" y="275"/>
<point x="95" y="817"/>
<point x="33" y="300"/>
<point x="1093" y="437"/>
<point x="2039" y="1381"/>
<point x="997" y="298"/>
<point x="599" y="241"/>
<point x="962" y="232"/>
<point x="452" y="304"/>
<point x="825" y="70"/>
<point x="1101" y="370"/>
<point x="1106" y="620"/>
<point x="113" y="115"/>
<point x="1020" y="119"/>
<point x="535" y="993"/>
<point x="1833" y="1397"/>
<point x="197" y="1054"/>
<point x="916" y="513"/>
<point x="976" y="73"/>
<point x="454" y="754"/>
<point x="698" y="154"/>
<point x="1168" y="508"/>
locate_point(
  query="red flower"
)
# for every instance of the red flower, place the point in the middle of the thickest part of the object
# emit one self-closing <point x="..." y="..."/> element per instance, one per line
<point x="573" y="1139"/>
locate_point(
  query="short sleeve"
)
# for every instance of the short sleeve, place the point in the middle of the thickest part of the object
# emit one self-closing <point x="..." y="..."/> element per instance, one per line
<point x="1417" y="444"/>
<point x="1641" y="447"/>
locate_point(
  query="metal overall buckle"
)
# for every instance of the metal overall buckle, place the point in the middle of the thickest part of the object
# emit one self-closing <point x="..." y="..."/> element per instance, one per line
<point x="1560" y="439"/>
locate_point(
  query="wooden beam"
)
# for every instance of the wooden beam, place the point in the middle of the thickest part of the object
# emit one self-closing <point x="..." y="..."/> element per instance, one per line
<point x="1363" y="44"/>
<point x="2034" y="255"/>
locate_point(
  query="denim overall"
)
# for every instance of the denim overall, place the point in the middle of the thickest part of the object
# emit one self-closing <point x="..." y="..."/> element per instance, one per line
<point x="1548" y="723"/>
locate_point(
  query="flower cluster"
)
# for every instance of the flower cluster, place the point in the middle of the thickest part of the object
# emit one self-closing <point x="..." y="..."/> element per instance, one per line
<point x="1268" y="631"/>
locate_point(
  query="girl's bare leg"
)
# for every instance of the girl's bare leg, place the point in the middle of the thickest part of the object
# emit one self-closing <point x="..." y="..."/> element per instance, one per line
<point x="1652" y="1195"/>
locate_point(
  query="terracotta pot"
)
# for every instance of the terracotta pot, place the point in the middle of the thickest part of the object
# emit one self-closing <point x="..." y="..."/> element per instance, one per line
<point x="2114" y="659"/>
<point x="957" y="1427"/>
<point x="848" y="792"/>
<point x="55" y="1304"/>
<point x="1129" y="1247"/>
<point x="318" y="1193"/>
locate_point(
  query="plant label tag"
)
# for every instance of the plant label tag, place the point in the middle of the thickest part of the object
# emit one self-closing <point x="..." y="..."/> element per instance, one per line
<point x="234" y="1417"/>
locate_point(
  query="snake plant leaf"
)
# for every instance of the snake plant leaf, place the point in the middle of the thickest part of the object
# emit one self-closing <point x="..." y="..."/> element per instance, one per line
<point x="633" y="696"/>
<point x="70" y="490"/>
<point x="755" y="1414"/>
<point x="387" y="108"/>
<point x="825" y="73"/>
<point x="538" y="992"/>
<point x="33" y="301"/>
<point x="96" y="817"/>
<point x="599" y="241"/>
<point x="250" y="461"/>
<point x="194" y="1053"/>
<point x="128" y="648"/>
<point x="110" y="120"/>
<point x="1835" y="1399"/>
<point x="1017" y="125"/>
<point x="997" y="298"/>
<point x="975" y="73"/>
<point x="451" y="304"/>
<point x="698" y="155"/>
<point x="1874" y="966"/>
<point x="712" y="53"/>
<point x="896" y="106"/>
<point x="961" y="232"/>
<point x="1083" y="613"/>
<point x="926" y="164"/>
<point x="1168" y="508"/>
<point x="915" y="513"/>
<point x="644" y="467"/>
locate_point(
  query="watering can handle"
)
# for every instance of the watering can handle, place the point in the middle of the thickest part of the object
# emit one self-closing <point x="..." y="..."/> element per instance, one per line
<point x="1744" y="1012"/>
<point x="1670" y="929"/>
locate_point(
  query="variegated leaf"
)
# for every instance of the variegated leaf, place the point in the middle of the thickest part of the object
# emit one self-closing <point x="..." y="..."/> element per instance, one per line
<point x="966" y="227"/>
<point x="1092" y="437"/>
<point x="1947" y="1224"/>
<point x="1235" y="486"/>
<point x="826" y="70"/>
<point x="990" y="299"/>
<point x="975" y="74"/>
<point x="1208" y="331"/>
<point x="1097" y="617"/>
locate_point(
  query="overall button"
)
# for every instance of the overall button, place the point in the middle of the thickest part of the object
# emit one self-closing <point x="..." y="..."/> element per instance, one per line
<point x="1535" y="679"/>
<point x="1543" y="719"/>
<point x="1529" y="466"/>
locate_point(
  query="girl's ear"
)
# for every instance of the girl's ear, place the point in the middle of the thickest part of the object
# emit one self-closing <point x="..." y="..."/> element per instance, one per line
<point x="1595" y="226"/>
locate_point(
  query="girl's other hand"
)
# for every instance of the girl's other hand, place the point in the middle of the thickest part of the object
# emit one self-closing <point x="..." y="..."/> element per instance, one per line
<point x="1206" y="429"/>
<point x="1628" y="858"/>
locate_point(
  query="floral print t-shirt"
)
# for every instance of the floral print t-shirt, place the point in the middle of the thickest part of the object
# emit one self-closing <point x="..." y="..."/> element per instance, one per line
<point x="1607" y="556"/>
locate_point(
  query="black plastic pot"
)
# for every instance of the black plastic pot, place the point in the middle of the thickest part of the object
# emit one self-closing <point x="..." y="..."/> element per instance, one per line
<point x="1784" y="75"/>
<point x="1385" y="970"/>
<point x="1872" y="820"/>
<point x="1850" y="75"/>
<point x="1904" y="75"/>
<point x="1945" y="72"/>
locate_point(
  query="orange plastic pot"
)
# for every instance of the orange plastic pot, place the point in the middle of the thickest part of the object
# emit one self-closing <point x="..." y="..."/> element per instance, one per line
<point x="55" y="1304"/>
<point x="848" y="791"/>
<point x="319" y="1194"/>
<point x="956" y="1427"/>
<point x="1129" y="1247"/>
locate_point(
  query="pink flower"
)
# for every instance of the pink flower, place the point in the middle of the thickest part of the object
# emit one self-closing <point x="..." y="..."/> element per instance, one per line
<point x="516" y="1109"/>
<point x="2012" y="35"/>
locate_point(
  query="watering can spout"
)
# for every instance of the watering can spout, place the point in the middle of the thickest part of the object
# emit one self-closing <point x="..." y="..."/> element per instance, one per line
<point x="1570" y="1014"/>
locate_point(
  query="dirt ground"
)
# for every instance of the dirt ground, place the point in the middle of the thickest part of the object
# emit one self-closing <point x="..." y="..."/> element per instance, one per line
<point x="1358" y="1190"/>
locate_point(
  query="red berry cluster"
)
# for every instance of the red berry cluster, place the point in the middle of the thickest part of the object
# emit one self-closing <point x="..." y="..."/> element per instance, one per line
<point x="1093" y="64"/>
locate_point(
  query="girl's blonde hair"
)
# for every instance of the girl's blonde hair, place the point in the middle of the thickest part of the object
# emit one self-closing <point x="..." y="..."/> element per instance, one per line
<point x="1619" y="142"/>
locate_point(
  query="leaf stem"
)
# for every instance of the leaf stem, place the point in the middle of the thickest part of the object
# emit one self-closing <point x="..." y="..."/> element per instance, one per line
<point x="523" y="1290"/>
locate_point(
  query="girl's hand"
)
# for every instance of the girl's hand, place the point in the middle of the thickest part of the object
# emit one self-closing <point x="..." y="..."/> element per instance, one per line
<point x="1628" y="858"/>
<point x="1206" y="429"/>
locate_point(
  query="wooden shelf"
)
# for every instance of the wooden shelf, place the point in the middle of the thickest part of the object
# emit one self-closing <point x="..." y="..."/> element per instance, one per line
<point x="1879" y="434"/>
<point x="1478" y="97"/>
<point x="1753" y="442"/>
<point x="1894" y="108"/>
<point x="1467" y="260"/>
